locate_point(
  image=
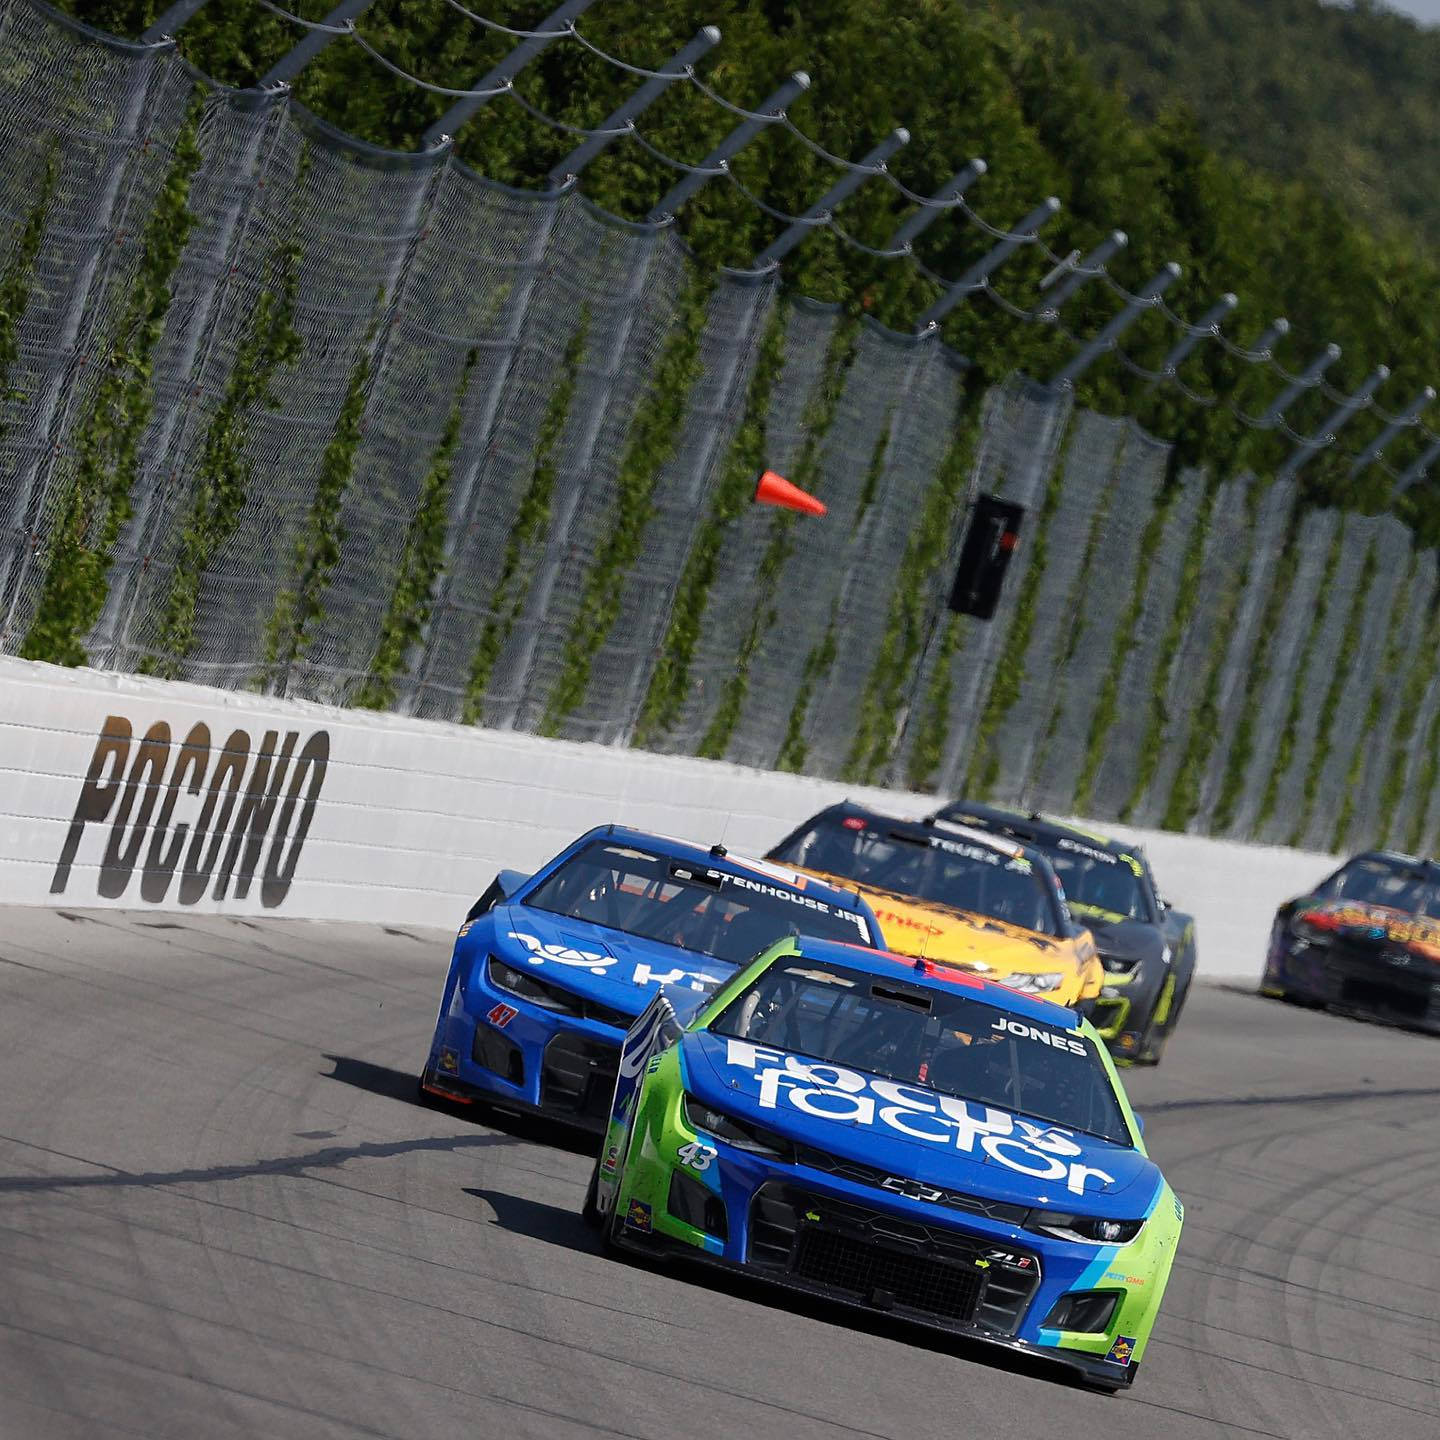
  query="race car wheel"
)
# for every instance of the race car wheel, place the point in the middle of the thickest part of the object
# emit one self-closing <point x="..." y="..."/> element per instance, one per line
<point x="1106" y="1387"/>
<point x="590" y="1211"/>
<point x="1167" y="1004"/>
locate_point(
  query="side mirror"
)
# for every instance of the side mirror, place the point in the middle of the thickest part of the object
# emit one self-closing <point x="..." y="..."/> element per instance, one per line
<point x="1139" y="1121"/>
<point x="1163" y="903"/>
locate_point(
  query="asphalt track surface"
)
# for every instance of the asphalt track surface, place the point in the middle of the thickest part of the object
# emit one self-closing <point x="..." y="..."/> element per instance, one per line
<point x="222" y="1215"/>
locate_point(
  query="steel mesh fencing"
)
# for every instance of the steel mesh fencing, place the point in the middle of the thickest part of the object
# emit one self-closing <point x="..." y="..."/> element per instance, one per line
<point x="1359" y="685"/>
<point x="1282" y="650"/>
<point x="625" y="663"/>
<point x="1314" y="680"/>
<point x="732" y="610"/>
<point x="387" y="455"/>
<point x="1101" y="611"/>
<point x="1226" y="548"/>
<point x="88" y="131"/>
<point x="1089" y="466"/>
<point x="907" y="396"/>
<point x="1378" y="748"/>
<point x="1270" y="526"/>
<point x="1024" y="425"/>
<point x="1118" y="771"/>
<point x="494" y="256"/>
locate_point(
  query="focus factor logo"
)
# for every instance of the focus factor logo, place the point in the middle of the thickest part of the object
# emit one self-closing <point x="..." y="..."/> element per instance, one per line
<point x="219" y="815"/>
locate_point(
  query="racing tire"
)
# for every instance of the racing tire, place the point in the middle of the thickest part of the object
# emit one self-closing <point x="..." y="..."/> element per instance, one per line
<point x="1152" y="1048"/>
<point x="1110" y="1387"/>
<point x="590" y="1212"/>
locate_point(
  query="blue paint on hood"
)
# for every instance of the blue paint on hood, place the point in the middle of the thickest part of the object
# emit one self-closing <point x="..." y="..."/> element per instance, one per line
<point x="913" y="1132"/>
<point x="615" y="969"/>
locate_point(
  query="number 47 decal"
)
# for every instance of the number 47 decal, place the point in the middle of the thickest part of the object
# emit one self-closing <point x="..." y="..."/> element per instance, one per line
<point x="696" y="1155"/>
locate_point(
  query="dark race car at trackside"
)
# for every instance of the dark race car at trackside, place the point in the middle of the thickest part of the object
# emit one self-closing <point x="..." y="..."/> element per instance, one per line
<point x="1146" y="946"/>
<point x="1365" y="940"/>
<point x="549" y="970"/>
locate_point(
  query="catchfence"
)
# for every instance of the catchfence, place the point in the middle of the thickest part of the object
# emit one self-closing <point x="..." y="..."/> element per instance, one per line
<point x="281" y="411"/>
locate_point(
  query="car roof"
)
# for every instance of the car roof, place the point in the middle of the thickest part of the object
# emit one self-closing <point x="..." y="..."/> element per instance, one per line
<point x="1396" y="857"/>
<point x="1037" y="828"/>
<point x="933" y="832"/>
<point x="931" y="975"/>
<point x="719" y="858"/>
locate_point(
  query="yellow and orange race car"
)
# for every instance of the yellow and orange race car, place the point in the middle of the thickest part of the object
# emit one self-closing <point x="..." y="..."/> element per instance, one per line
<point x="955" y="896"/>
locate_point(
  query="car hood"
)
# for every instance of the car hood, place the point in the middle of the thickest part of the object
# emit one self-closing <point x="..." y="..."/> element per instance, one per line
<point x="1377" y="925"/>
<point x="616" y="969"/>
<point x="1119" y="934"/>
<point x="913" y="1133"/>
<point x="956" y="937"/>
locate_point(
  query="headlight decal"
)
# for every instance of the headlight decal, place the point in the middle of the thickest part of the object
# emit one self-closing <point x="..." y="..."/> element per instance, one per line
<point x="1084" y="1229"/>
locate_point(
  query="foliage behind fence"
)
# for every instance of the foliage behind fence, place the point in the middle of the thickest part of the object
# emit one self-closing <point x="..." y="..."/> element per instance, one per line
<point x="367" y="428"/>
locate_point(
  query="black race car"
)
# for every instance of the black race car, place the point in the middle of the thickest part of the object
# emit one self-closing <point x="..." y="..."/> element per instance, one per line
<point x="1365" y="940"/>
<point x="1146" y="947"/>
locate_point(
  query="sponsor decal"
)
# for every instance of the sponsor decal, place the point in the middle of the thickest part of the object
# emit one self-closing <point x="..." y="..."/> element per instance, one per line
<point x="213" y="812"/>
<point x="1419" y="933"/>
<point x="639" y="1217"/>
<point x="1090" y="852"/>
<point x="612" y="1159"/>
<point x="449" y="1062"/>
<point x="1007" y="1026"/>
<point x="833" y="1092"/>
<point x="1122" y="1350"/>
<point x="597" y="962"/>
<point x="501" y="1015"/>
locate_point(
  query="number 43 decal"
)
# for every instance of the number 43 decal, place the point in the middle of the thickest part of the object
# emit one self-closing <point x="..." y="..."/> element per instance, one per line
<point x="696" y="1155"/>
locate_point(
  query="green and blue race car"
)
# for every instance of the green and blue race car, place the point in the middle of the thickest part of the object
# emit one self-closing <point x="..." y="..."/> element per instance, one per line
<point x="898" y="1135"/>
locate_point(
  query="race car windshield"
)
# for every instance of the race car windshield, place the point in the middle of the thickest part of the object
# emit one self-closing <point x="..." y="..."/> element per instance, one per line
<point x="1097" y="881"/>
<point x="960" y="873"/>
<point x="943" y="1039"/>
<point x="655" y="897"/>
<point x="1375" y="880"/>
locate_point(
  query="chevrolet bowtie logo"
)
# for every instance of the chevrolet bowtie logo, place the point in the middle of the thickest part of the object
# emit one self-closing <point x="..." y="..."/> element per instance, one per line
<point x="911" y="1189"/>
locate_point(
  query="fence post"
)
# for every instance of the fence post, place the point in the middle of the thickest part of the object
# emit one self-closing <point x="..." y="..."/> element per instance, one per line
<point x="822" y="209"/>
<point x="1406" y="418"/>
<point x="913" y="227"/>
<point x="1340" y="417"/>
<point x="550" y="28"/>
<point x="1417" y="472"/>
<point x="976" y="276"/>
<point x="1109" y="337"/>
<point x="623" y="117"/>
<point x="1308" y="379"/>
<point x="1080" y="273"/>
<point x="1206" y="328"/>
<point x="772" y="108"/>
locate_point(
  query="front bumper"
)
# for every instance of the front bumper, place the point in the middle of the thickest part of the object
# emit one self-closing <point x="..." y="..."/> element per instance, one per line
<point x="499" y="1049"/>
<point x="1123" y="1009"/>
<point x="824" y="1231"/>
<point x="1381" y="981"/>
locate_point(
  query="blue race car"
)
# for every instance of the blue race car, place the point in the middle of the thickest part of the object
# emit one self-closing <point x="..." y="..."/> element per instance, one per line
<point x="897" y="1135"/>
<point x="549" y="971"/>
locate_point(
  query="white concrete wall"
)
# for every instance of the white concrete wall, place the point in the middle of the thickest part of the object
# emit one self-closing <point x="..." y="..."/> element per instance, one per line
<point x="408" y="820"/>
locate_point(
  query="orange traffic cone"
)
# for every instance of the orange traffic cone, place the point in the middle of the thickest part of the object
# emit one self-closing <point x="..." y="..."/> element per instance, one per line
<point x="775" y="489"/>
